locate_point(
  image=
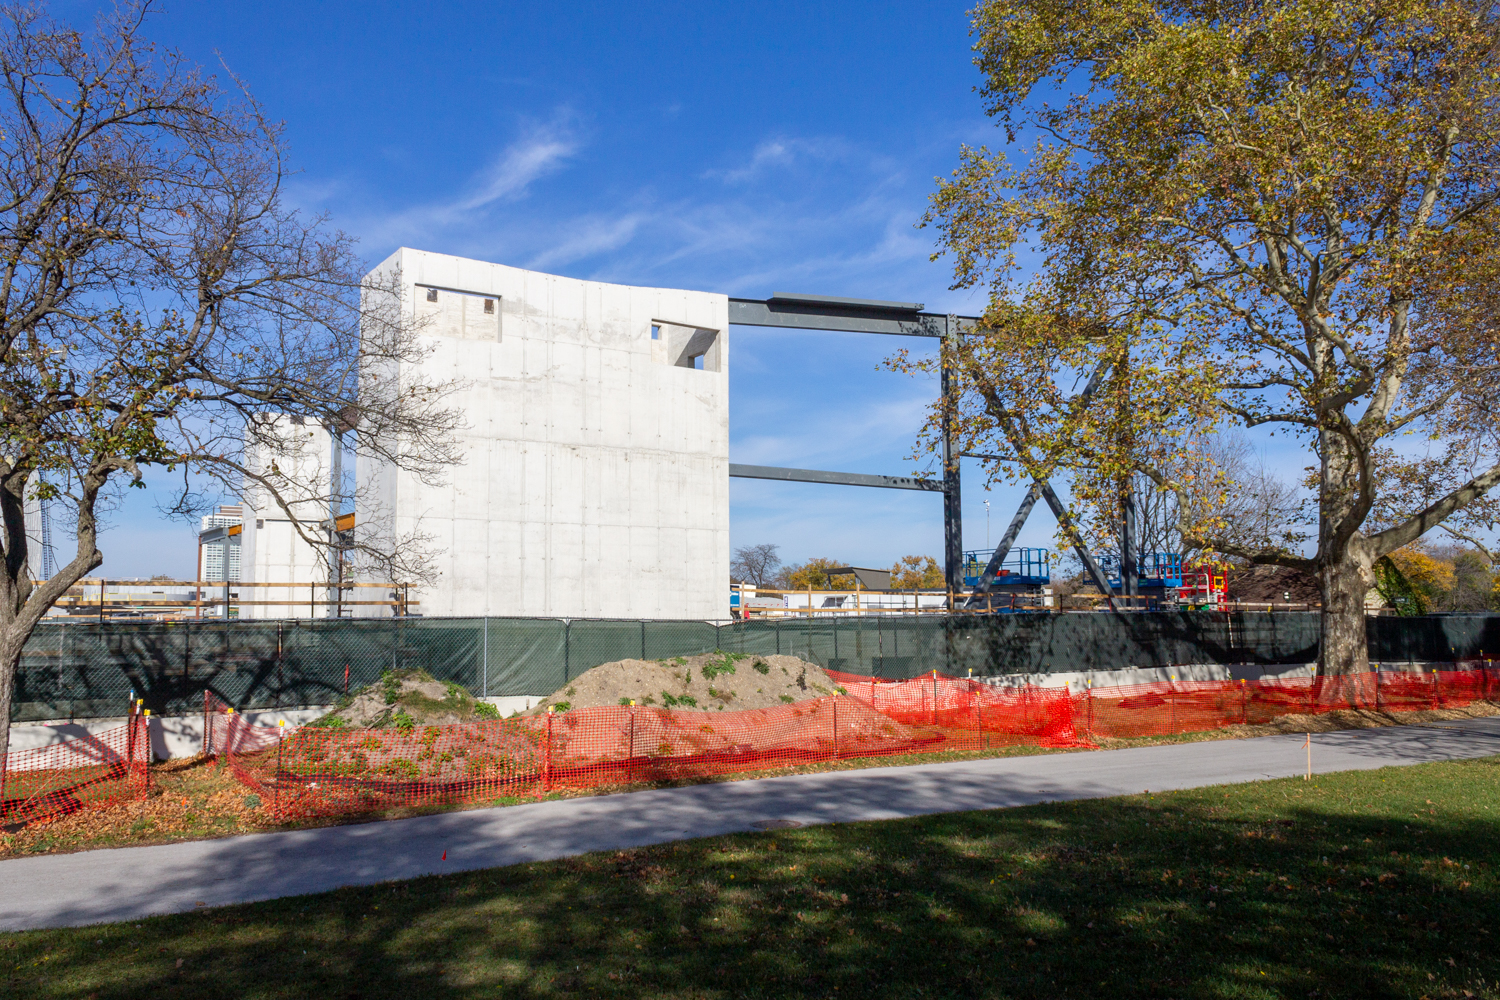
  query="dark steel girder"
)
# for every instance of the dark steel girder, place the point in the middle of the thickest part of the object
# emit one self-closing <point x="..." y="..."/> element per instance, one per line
<point x="814" y="312"/>
<point x="834" y="478"/>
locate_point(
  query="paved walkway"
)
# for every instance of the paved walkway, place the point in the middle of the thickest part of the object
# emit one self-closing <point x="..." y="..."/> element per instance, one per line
<point x="129" y="883"/>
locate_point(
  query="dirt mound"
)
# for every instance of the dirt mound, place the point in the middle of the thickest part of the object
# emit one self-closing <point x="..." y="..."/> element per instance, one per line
<point x="402" y="699"/>
<point x="1271" y="584"/>
<point x="715" y="681"/>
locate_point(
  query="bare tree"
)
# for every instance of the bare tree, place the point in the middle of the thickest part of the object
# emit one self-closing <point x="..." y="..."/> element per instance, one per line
<point x="1258" y="509"/>
<point x="756" y="563"/>
<point x="157" y="297"/>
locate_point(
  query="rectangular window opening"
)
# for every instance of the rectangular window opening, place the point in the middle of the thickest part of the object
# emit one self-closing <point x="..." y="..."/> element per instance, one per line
<point x="698" y="362"/>
<point x="489" y="307"/>
<point x="432" y="295"/>
<point x="655" y="331"/>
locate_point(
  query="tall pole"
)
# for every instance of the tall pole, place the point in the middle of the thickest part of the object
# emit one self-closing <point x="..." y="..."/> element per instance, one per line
<point x="1130" y="569"/>
<point x="953" y="531"/>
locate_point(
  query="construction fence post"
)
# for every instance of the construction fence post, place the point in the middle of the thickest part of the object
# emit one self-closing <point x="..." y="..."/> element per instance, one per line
<point x="1172" y="691"/>
<point x="145" y="742"/>
<point x="130" y="734"/>
<point x="547" y="755"/>
<point x="1090" y="724"/>
<point x="276" y="788"/>
<point x="835" y="727"/>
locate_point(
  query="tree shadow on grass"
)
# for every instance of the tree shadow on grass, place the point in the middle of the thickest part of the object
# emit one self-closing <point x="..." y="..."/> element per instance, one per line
<point x="1364" y="884"/>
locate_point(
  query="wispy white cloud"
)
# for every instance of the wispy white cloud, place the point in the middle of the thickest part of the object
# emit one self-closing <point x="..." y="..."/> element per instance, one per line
<point x="776" y="152"/>
<point x="589" y="237"/>
<point x="781" y="152"/>
<point x="541" y="151"/>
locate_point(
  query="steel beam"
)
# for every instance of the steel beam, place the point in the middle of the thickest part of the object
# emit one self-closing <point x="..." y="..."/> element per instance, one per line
<point x="810" y="312"/>
<point x="834" y="478"/>
<point x="1061" y="513"/>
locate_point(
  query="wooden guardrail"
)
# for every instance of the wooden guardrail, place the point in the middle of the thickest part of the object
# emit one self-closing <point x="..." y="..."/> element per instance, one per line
<point x="147" y="598"/>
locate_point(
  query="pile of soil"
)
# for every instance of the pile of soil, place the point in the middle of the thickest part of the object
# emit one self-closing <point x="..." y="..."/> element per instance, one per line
<point x="403" y="698"/>
<point x="715" y="681"/>
<point x="1271" y="584"/>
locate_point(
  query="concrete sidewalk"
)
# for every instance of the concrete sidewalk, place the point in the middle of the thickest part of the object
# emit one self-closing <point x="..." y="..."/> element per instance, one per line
<point x="130" y="883"/>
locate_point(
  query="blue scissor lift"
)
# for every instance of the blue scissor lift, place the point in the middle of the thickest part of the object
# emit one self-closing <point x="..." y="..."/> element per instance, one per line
<point x="1155" y="572"/>
<point x="1023" y="571"/>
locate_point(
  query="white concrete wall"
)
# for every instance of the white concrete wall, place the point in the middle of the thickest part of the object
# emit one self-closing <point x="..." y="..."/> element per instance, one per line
<point x="595" y="481"/>
<point x="271" y="550"/>
<point x="175" y="736"/>
<point x="1078" y="681"/>
<point x="171" y="735"/>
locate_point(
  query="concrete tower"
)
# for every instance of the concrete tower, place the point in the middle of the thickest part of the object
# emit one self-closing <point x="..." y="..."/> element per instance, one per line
<point x="296" y="455"/>
<point x="596" y="473"/>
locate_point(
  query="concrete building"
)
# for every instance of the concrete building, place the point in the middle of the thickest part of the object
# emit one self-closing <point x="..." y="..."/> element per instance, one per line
<point x="297" y="455"/>
<point x="596" y="472"/>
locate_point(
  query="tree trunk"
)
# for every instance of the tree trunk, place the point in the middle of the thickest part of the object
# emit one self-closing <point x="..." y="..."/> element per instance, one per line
<point x="1344" y="651"/>
<point x="10" y="662"/>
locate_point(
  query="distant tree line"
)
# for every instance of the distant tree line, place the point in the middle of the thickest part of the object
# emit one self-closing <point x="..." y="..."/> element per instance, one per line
<point x="761" y="565"/>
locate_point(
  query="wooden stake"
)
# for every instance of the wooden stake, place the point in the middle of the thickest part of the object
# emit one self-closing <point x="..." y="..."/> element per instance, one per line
<point x="1308" y="745"/>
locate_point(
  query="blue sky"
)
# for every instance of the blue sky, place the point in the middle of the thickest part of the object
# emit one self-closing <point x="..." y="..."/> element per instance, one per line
<point x="748" y="148"/>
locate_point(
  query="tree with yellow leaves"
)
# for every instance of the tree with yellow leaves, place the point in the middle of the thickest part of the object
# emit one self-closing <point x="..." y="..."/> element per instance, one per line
<point x="1265" y="215"/>
<point x="814" y="574"/>
<point x="917" y="573"/>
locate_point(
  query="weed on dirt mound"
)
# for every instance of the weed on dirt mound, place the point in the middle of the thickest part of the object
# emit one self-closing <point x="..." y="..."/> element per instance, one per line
<point x="714" y="681"/>
<point x="404" y="699"/>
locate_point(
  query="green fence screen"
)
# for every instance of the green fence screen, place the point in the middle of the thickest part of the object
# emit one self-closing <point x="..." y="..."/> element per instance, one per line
<point x="77" y="670"/>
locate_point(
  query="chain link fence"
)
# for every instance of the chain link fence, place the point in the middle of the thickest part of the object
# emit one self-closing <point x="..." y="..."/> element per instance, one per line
<point x="75" y="670"/>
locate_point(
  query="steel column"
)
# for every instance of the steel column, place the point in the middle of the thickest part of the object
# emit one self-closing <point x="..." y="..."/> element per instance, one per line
<point x="953" y="525"/>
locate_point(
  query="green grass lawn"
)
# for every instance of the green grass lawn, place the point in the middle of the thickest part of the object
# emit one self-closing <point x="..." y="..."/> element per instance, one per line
<point x="1370" y="884"/>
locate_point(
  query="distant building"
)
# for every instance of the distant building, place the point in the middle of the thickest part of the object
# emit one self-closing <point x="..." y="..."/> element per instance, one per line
<point x="219" y="544"/>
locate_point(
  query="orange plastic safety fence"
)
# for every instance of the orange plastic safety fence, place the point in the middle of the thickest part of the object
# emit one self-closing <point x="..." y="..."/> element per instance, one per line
<point x="1023" y="715"/>
<point x="319" y="770"/>
<point x="1170" y="707"/>
<point x="93" y="771"/>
